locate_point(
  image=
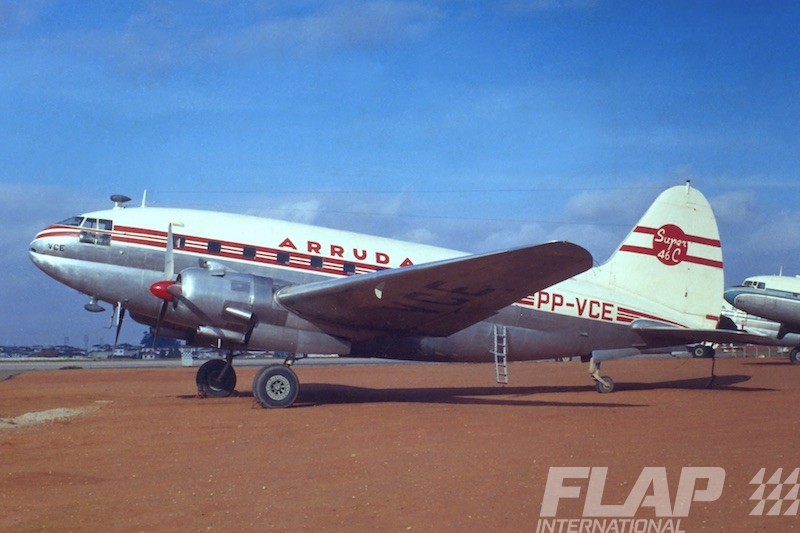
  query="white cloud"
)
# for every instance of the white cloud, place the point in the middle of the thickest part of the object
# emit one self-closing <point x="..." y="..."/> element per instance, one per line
<point x="735" y="207"/>
<point x="611" y="207"/>
<point x="330" y="28"/>
<point x="16" y="16"/>
<point x="513" y="237"/>
<point x="419" y="235"/>
<point x="527" y="7"/>
<point x="778" y="233"/>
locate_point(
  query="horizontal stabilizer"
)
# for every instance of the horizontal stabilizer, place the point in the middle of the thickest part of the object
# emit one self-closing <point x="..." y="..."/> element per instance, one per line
<point x="434" y="299"/>
<point x="666" y="334"/>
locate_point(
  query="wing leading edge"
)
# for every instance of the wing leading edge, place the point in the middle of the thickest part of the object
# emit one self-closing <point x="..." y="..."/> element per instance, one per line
<point x="435" y="299"/>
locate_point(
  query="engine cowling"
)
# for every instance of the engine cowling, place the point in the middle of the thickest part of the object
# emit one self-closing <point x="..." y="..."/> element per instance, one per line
<point x="225" y="300"/>
<point x="238" y="310"/>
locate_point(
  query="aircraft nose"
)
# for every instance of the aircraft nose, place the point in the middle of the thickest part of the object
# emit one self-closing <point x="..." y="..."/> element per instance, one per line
<point x="731" y="294"/>
<point x="36" y="250"/>
<point x="40" y="248"/>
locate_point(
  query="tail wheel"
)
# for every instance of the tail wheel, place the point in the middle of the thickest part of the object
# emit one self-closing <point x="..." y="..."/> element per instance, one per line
<point x="275" y="386"/>
<point x="794" y="356"/>
<point x="604" y="388"/>
<point x="215" y="378"/>
<point x="699" y="351"/>
<point x="703" y="351"/>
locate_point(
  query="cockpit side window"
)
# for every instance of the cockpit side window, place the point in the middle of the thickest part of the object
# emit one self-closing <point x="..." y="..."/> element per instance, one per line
<point x="101" y="237"/>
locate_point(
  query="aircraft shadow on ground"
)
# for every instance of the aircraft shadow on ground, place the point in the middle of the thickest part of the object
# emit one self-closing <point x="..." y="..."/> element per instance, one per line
<point x="771" y="363"/>
<point x="328" y="394"/>
<point x="325" y="393"/>
<point x="725" y="383"/>
<point x="319" y="393"/>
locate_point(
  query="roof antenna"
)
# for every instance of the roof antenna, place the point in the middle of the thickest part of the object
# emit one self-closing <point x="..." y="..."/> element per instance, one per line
<point x="119" y="200"/>
<point x="144" y="198"/>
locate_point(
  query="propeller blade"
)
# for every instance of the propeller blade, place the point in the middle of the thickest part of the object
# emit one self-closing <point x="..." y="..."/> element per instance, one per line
<point x="161" y="315"/>
<point x="119" y="325"/>
<point x="169" y="257"/>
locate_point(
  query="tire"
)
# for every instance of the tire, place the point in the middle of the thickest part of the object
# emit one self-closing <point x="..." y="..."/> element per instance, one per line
<point x="208" y="382"/>
<point x="275" y="386"/>
<point x="794" y="356"/>
<point x="699" y="351"/>
<point x="605" y="389"/>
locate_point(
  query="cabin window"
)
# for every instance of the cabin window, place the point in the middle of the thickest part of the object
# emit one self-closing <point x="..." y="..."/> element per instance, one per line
<point x="214" y="247"/>
<point x="283" y="258"/>
<point x="179" y="242"/>
<point x="316" y="262"/>
<point x="249" y="252"/>
<point x="349" y="269"/>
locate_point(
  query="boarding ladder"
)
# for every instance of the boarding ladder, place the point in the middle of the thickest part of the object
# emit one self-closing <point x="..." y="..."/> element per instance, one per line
<point x="500" y="352"/>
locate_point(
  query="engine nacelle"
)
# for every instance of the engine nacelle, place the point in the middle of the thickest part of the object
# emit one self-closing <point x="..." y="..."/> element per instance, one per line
<point x="225" y="300"/>
<point x="238" y="310"/>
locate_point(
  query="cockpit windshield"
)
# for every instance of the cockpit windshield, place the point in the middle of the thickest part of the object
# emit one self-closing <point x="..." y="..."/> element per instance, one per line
<point x="72" y="221"/>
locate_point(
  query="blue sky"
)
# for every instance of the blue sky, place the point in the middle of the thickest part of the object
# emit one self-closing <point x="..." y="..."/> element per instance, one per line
<point x="474" y="125"/>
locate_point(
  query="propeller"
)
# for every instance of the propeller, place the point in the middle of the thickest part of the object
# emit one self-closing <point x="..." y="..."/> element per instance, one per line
<point x="166" y="289"/>
<point x="117" y="317"/>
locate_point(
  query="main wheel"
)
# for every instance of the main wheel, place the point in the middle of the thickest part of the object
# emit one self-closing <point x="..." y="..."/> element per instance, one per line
<point x="794" y="356"/>
<point x="275" y="386"/>
<point x="214" y="381"/>
<point x="604" y="389"/>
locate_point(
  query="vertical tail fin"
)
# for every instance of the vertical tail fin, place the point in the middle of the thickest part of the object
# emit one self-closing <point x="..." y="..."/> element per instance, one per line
<point x="673" y="258"/>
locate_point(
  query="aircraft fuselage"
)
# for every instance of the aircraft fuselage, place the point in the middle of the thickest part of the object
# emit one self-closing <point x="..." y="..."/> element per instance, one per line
<point x="116" y="255"/>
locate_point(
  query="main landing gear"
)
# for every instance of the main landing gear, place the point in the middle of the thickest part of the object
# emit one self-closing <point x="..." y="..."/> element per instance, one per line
<point x="275" y="385"/>
<point x="216" y="378"/>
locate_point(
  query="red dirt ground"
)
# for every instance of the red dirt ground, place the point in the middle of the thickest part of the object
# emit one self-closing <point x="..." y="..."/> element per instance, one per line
<point x="388" y="447"/>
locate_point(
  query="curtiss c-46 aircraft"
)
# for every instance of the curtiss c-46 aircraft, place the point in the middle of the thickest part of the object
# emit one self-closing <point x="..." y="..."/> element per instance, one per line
<point x="249" y="283"/>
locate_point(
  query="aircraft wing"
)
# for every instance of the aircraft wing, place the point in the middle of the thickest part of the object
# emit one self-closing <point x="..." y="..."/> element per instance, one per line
<point x="435" y="299"/>
<point x="666" y="334"/>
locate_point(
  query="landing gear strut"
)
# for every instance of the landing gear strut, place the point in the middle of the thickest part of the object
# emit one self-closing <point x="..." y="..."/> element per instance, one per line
<point x="603" y="384"/>
<point x="216" y="378"/>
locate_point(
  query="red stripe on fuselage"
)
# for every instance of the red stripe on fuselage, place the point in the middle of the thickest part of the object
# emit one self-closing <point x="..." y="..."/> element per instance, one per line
<point x="234" y="250"/>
